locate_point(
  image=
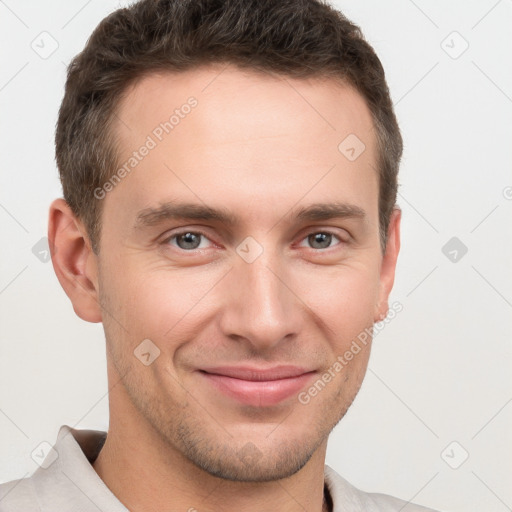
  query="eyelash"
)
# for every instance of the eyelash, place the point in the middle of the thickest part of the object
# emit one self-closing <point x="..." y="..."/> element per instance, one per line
<point x="180" y="233"/>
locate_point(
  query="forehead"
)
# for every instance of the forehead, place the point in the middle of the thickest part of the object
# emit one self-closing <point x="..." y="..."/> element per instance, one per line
<point x="230" y="98"/>
<point x="220" y="135"/>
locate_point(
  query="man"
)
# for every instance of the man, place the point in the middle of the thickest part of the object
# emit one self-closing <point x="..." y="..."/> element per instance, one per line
<point x="229" y="173"/>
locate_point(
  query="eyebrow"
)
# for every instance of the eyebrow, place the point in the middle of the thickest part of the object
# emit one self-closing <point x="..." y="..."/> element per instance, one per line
<point x="192" y="211"/>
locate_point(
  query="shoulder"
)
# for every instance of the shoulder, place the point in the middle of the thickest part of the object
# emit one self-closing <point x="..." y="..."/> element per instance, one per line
<point x="18" y="495"/>
<point x="346" y="497"/>
<point x="386" y="503"/>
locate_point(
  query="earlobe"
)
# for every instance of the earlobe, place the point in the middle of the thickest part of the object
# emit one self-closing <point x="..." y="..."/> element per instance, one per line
<point x="388" y="265"/>
<point x="73" y="260"/>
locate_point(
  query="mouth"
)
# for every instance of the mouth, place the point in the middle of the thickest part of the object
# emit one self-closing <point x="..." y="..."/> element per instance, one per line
<point x="258" y="387"/>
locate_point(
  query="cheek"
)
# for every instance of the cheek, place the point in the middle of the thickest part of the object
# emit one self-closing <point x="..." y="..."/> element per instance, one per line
<point x="343" y="297"/>
<point x="162" y="303"/>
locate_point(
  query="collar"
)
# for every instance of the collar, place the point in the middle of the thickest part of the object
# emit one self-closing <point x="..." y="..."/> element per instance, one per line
<point x="80" y="487"/>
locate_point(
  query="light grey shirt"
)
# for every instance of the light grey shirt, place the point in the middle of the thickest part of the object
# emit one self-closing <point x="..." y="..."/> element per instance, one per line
<point x="67" y="482"/>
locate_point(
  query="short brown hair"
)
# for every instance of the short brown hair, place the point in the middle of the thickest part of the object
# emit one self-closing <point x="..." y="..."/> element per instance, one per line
<point x="295" y="38"/>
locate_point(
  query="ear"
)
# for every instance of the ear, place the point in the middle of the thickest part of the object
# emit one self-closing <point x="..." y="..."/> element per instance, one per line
<point x="388" y="264"/>
<point x="73" y="260"/>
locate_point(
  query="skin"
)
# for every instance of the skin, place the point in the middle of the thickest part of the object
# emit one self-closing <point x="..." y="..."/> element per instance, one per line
<point x="260" y="146"/>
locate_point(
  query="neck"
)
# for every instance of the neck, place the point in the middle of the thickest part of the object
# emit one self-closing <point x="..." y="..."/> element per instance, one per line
<point x="145" y="473"/>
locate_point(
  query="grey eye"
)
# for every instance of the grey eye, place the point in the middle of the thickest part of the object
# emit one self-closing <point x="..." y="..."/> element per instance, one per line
<point x="188" y="240"/>
<point x="320" y="240"/>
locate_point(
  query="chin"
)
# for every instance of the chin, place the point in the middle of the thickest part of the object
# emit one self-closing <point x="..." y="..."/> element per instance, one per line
<point x="255" y="468"/>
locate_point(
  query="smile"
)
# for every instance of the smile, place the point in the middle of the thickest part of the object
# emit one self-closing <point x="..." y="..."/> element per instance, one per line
<point x="258" y="387"/>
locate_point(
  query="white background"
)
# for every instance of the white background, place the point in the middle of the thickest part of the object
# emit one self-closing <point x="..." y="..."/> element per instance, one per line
<point x="439" y="372"/>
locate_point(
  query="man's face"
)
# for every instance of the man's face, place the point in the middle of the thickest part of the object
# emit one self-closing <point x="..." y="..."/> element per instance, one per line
<point x="267" y="290"/>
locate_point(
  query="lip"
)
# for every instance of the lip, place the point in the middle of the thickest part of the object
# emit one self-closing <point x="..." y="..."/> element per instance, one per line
<point x="258" y="387"/>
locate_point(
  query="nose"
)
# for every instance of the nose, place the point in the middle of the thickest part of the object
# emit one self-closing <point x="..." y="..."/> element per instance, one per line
<point x="260" y="305"/>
